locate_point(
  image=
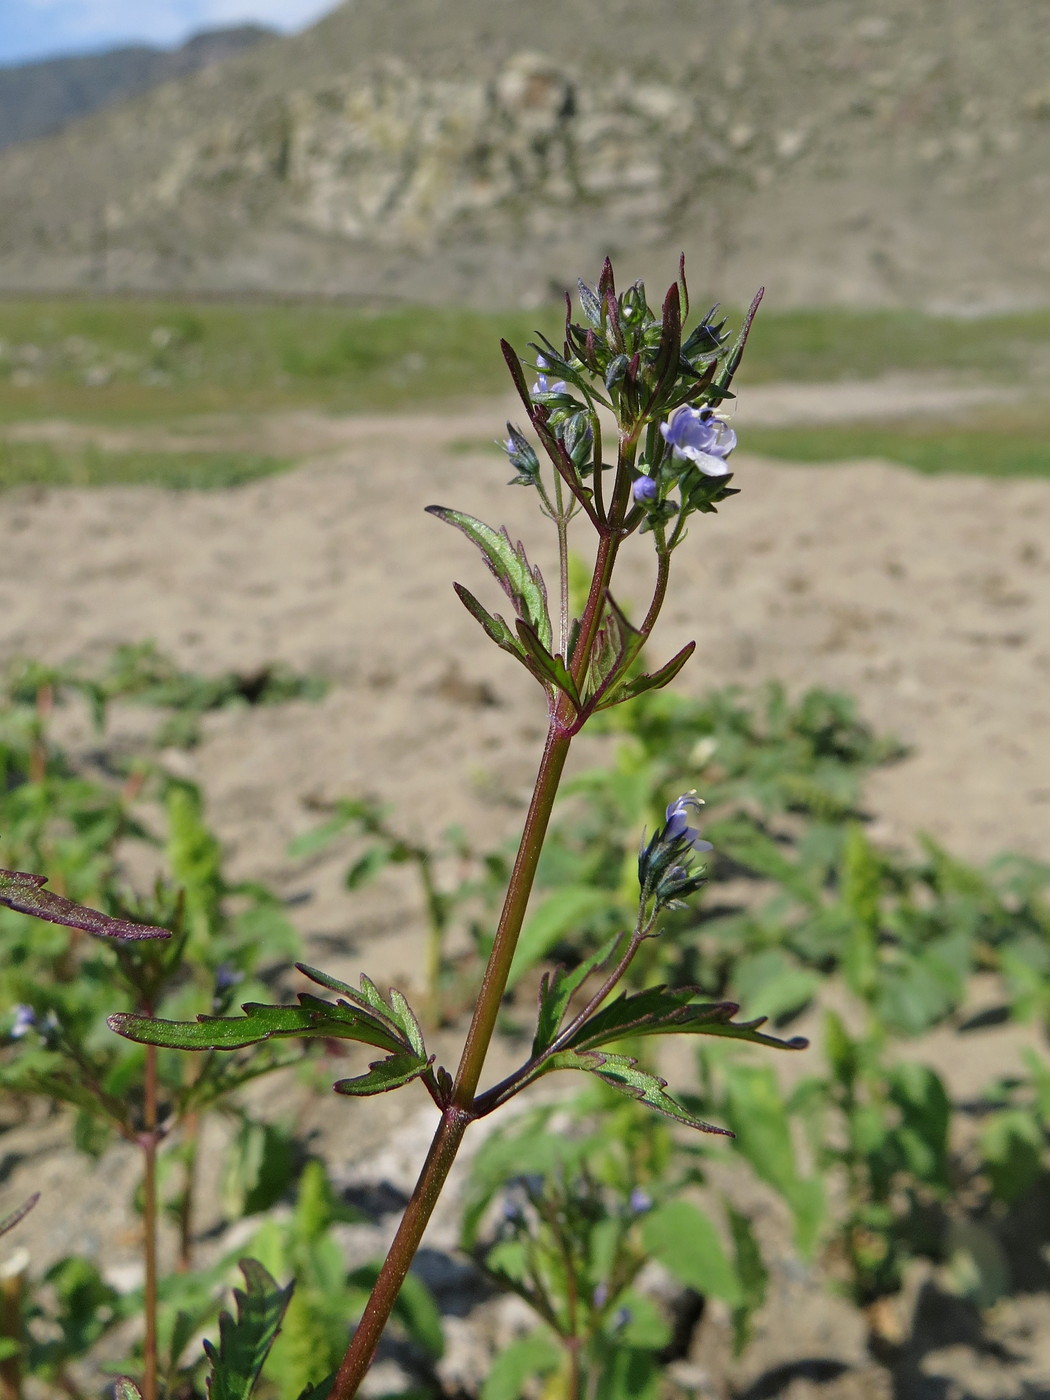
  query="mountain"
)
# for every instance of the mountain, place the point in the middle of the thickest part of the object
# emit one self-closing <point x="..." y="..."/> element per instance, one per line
<point x="854" y="151"/>
<point x="39" y="98"/>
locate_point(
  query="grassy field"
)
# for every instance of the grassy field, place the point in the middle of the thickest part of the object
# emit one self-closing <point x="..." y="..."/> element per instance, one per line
<point x="142" y="363"/>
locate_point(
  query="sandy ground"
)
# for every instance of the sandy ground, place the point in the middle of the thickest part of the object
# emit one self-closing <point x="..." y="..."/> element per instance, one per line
<point x="927" y="598"/>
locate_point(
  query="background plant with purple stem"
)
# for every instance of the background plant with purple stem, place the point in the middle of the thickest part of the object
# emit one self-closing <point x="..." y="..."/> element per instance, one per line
<point x="664" y="389"/>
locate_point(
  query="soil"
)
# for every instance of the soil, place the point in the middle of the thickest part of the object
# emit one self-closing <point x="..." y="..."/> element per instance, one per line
<point x="926" y="598"/>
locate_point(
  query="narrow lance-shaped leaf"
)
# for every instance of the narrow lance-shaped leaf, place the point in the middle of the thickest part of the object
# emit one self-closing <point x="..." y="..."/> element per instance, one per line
<point x="25" y="894"/>
<point x="654" y="680"/>
<point x="245" y="1342"/>
<point x="621" y="1072"/>
<point x="312" y="1018"/>
<point x="737" y="352"/>
<point x="667" y="1011"/>
<point x="509" y="564"/>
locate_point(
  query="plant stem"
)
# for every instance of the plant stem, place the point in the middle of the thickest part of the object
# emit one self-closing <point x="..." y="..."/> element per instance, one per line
<point x="149" y="1225"/>
<point x="460" y="1111"/>
<point x="417" y="1214"/>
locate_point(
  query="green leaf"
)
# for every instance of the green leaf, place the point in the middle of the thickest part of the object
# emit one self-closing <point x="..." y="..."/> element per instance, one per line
<point x="520" y="581"/>
<point x="751" y="1274"/>
<point x="384" y="1075"/>
<point x="125" y="1389"/>
<point x="557" y="989"/>
<point x="493" y="624"/>
<point x="535" y="1355"/>
<point x="549" y="670"/>
<point x="686" y="1242"/>
<point x="757" y="1114"/>
<point x="1013" y="1145"/>
<point x="244" y="1344"/>
<point x="25" y="894"/>
<point x="312" y="1018"/>
<point x="655" y="680"/>
<point x="621" y="1072"/>
<point x="667" y="1011"/>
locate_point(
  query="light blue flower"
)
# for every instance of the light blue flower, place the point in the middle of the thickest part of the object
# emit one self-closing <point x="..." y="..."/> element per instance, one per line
<point x="644" y="490"/>
<point x="699" y="436"/>
<point x="25" y="1021"/>
<point x="681" y="814"/>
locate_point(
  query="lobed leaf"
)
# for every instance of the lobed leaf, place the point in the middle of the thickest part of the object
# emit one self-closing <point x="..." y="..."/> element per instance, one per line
<point x="557" y="989"/>
<point x="25" y="894"/>
<point x="384" y="1075"/>
<point x="311" y="1018"/>
<point x="667" y="1011"/>
<point x="520" y="581"/>
<point x="245" y="1343"/>
<point x="621" y="1072"/>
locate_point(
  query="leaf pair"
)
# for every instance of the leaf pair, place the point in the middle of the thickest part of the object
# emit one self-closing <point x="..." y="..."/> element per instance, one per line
<point x="362" y="1015"/>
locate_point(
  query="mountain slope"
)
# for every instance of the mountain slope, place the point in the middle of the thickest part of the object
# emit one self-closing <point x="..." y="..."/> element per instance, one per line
<point x="838" y="151"/>
<point x="39" y="98"/>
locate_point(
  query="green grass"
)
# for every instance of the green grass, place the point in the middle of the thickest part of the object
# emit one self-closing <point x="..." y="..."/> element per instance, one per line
<point x="927" y="447"/>
<point x="120" y="360"/>
<point x="41" y="464"/>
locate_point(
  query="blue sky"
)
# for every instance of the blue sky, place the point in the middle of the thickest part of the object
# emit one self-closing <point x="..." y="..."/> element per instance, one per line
<point x="31" y="29"/>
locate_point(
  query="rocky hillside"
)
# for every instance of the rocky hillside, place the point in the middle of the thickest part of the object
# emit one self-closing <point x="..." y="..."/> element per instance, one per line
<point x="39" y="98"/>
<point x="872" y="152"/>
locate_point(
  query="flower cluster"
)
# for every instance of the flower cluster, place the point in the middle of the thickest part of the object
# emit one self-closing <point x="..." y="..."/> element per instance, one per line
<point x="665" y="869"/>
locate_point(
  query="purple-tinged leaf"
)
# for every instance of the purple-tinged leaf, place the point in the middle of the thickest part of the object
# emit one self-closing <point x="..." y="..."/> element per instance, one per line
<point x="313" y="1018"/>
<point x="516" y="373"/>
<point x="493" y="624"/>
<point x="666" y="1011"/>
<point x="25" y="894"/>
<point x="384" y="1075"/>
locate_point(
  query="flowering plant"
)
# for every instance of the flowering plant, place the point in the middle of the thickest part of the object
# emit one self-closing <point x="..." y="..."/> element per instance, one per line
<point x="632" y="377"/>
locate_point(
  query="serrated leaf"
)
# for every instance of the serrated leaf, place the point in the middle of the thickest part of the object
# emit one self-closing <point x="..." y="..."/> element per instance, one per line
<point x="667" y="1011"/>
<point x="311" y="1018"/>
<point x="245" y="1342"/>
<point x="509" y="564"/>
<point x="384" y="1075"/>
<point x="25" y="894"/>
<point x="621" y="1072"/>
<point x="557" y="989"/>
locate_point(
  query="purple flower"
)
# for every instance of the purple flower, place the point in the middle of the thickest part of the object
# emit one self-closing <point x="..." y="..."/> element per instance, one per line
<point x="680" y="814"/>
<point x="600" y="1296"/>
<point x="543" y="387"/>
<point x="644" y="489"/>
<point x="640" y="1201"/>
<point x="621" y="1318"/>
<point x="699" y="436"/>
<point x="25" y="1021"/>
